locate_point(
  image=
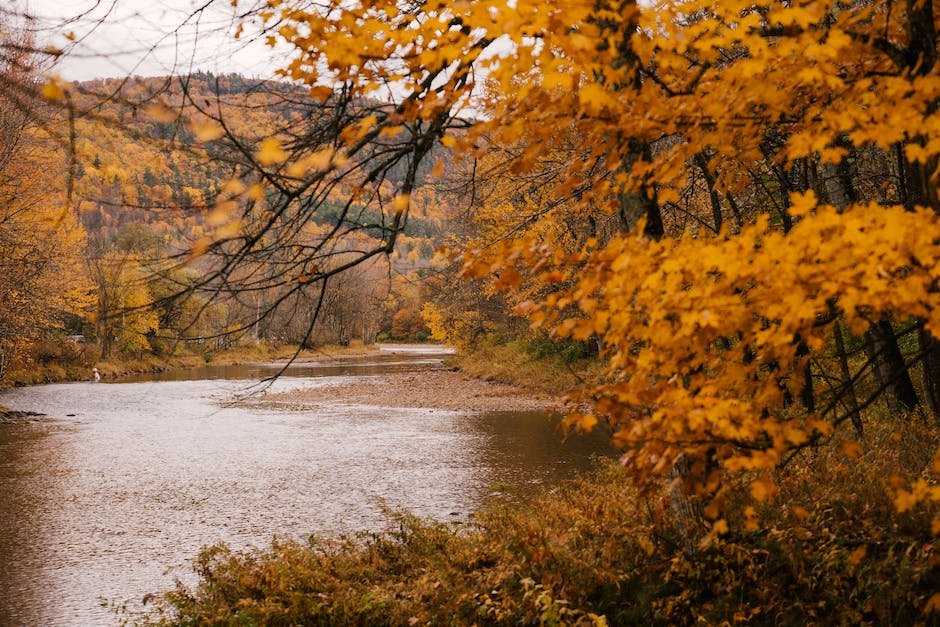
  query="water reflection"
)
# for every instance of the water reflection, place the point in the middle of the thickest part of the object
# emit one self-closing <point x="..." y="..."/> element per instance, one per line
<point x="110" y="502"/>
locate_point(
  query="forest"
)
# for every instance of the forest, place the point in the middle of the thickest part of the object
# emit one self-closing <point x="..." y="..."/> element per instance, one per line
<point x="138" y="190"/>
<point x="713" y="227"/>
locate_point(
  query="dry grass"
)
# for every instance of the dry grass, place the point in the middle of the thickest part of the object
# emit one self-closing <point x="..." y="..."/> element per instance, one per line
<point x="512" y="363"/>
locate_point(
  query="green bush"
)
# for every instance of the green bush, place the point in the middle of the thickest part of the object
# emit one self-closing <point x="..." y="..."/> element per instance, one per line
<point x="568" y="351"/>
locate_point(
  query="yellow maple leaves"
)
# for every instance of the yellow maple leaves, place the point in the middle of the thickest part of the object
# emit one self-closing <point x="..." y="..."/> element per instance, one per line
<point x="270" y="152"/>
<point x="675" y="377"/>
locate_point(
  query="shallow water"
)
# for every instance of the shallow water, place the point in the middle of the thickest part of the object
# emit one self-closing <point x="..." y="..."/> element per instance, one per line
<point x="106" y="498"/>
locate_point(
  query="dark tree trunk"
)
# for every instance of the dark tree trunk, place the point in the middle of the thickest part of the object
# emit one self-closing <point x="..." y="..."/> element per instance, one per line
<point x="687" y="512"/>
<point x="897" y="380"/>
<point x="713" y="197"/>
<point x="930" y="371"/>
<point x="848" y="389"/>
<point x="807" y="394"/>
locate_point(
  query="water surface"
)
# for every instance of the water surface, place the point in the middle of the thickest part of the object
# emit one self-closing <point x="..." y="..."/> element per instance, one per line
<point x="107" y="497"/>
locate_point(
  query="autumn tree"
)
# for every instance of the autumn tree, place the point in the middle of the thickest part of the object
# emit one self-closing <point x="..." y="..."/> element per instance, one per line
<point x="41" y="241"/>
<point x="124" y="319"/>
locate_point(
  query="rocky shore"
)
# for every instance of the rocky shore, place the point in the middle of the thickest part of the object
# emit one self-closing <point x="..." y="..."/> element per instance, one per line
<point x="9" y="416"/>
<point x="435" y="389"/>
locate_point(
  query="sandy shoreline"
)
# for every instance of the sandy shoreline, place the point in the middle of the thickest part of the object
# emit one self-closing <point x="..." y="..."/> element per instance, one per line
<point x="430" y="389"/>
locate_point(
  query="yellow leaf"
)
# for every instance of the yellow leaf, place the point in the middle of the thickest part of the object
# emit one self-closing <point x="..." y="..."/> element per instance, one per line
<point x="801" y="204"/>
<point x="751" y="522"/>
<point x="271" y="153"/>
<point x="229" y="229"/>
<point x="221" y="213"/>
<point x="763" y="489"/>
<point x="851" y="448"/>
<point x="256" y="192"/>
<point x="391" y="131"/>
<point x="558" y="80"/>
<point x="321" y="93"/>
<point x="207" y="131"/>
<point x="448" y="141"/>
<point x="594" y="97"/>
<point x="316" y="162"/>
<point x="400" y="203"/>
<point x="857" y="555"/>
<point x="52" y="90"/>
<point x="320" y="160"/>
<point x="905" y="501"/>
<point x="233" y="187"/>
<point x="933" y="604"/>
<point x="199" y="247"/>
<point x="587" y="422"/>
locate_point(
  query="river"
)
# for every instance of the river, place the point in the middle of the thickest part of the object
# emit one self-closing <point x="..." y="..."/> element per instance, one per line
<point x="107" y="497"/>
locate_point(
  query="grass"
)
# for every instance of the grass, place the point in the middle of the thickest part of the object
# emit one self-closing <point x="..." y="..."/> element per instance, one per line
<point x="517" y="364"/>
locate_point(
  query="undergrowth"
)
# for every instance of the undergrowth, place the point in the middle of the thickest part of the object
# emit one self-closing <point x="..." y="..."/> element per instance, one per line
<point x="534" y="365"/>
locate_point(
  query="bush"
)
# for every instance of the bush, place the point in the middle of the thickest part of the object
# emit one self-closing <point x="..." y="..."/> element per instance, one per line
<point x="566" y="350"/>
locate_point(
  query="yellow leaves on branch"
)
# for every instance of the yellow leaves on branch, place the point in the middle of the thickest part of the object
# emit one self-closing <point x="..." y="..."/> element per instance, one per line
<point x="701" y="331"/>
<point x="270" y="152"/>
<point x="318" y="161"/>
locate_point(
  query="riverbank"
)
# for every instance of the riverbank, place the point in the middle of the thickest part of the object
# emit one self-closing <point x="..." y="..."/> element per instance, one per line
<point x="9" y="416"/>
<point x="512" y="364"/>
<point x="433" y="389"/>
<point x="57" y="372"/>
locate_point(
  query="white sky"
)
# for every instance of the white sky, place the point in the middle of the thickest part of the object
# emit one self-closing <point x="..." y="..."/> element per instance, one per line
<point x="146" y="37"/>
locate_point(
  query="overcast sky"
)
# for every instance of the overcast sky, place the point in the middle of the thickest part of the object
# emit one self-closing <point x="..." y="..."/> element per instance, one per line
<point x="146" y="37"/>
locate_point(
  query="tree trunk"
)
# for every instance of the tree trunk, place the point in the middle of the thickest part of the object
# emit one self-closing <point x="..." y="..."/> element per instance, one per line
<point x="897" y="380"/>
<point x="687" y="512"/>
<point x="930" y="371"/>
<point x="702" y="164"/>
<point x="848" y="393"/>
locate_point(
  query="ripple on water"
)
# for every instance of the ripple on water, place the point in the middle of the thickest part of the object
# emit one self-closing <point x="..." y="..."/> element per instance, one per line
<point x="111" y="503"/>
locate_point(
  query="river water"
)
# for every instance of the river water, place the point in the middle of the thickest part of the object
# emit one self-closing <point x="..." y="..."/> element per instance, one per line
<point x="107" y="497"/>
